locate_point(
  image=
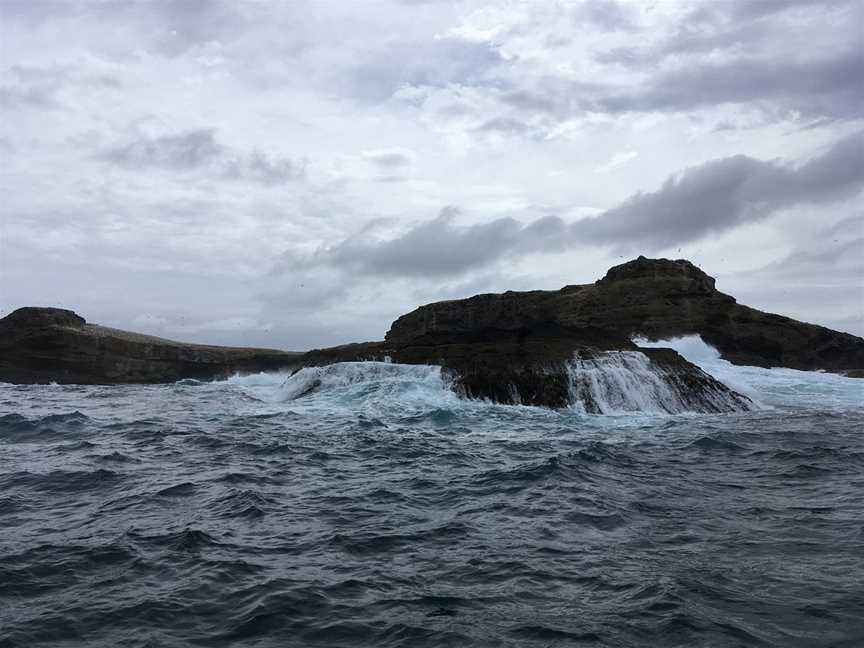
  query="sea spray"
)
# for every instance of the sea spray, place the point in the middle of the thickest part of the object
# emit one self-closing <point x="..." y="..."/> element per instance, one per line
<point x="768" y="388"/>
<point x="621" y="382"/>
<point x="604" y="383"/>
<point x="371" y="387"/>
<point x="357" y="380"/>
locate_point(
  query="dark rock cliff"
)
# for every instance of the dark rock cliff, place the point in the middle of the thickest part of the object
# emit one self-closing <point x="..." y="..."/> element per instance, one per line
<point x="652" y="298"/>
<point x="41" y="345"/>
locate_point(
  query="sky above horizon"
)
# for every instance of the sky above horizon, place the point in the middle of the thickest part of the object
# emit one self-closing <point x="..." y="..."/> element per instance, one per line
<point x="299" y="174"/>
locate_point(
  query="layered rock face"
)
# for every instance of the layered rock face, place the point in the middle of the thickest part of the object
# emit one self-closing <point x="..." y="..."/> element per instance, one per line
<point x="652" y="298"/>
<point x="42" y="345"/>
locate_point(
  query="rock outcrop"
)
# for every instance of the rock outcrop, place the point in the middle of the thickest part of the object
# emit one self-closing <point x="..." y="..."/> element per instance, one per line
<point x="550" y="348"/>
<point x="42" y="345"/>
<point x="652" y="298"/>
<point x="544" y="365"/>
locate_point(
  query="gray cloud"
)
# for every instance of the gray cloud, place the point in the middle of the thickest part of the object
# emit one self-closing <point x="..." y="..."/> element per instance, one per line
<point x="819" y="281"/>
<point x="188" y="150"/>
<point x="381" y="70"/>
<point x="686" y="41"/>
<point x="171" y="27"/>
<point x="199" y="149"/>
<point x="435" y="247"/>
<point x="723" y="194"/>
<point x="772" y="58"/>
<point x="607" y="15"/>
<point x="748" y="10"/>
<point x="835" y="253"/>
<point x="31" y="14"/>
<point x="14" y="98"/>
<point x="263" y="169"/>
<point x="177" y="25"/>
<point x="168" y="28"/>
<point x="439" y="247"/>
<point x="820" y="90"/>
<point x="717" y="27"/>
<point x="390" y="178"/>
<point x="831" y="87"/>
<point x="708" y="199"/>
<point x="389" y="158"/>
<point x="32" y="87"/>
<point x="503" y="125"/>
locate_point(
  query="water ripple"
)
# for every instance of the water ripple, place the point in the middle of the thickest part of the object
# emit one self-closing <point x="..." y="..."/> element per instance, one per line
<point x="394" y="515"/>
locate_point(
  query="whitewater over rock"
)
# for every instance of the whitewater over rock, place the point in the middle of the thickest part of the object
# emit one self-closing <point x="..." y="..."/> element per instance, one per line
<point x="618" y="382"/>
<point x="612" y="382"/>
<point x="360" y="380"/>
<point x="567" y="348"/>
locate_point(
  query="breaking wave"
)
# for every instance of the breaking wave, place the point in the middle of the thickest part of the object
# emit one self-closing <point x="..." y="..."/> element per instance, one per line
<point x="611" y="383"/>
<point x="776" y="387"/>
<point x="371" y="387"/>
<point x="615" y="383"/>
<point x="621" y="382"/>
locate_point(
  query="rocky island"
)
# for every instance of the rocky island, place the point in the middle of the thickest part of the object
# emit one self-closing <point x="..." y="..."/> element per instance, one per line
<point x="537" y="347"/>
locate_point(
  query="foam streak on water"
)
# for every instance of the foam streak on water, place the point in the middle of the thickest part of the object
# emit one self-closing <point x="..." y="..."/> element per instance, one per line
<point x="379" y="509"/>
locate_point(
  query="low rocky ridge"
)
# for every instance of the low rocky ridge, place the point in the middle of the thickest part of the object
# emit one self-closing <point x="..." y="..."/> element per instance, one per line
<point x="42" y="345"/>
<point x="550" y="348"/>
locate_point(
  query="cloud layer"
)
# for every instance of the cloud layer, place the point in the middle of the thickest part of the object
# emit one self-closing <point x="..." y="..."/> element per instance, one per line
<point x="708" y="199"/>
<point x="299" y="173"/>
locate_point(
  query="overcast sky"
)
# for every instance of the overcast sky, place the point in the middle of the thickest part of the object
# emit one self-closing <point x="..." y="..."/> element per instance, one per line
<point x="298" y="174"/>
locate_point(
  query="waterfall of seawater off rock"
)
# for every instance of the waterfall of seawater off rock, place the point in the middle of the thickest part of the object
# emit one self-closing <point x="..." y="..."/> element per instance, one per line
<point x="615" y="382"/>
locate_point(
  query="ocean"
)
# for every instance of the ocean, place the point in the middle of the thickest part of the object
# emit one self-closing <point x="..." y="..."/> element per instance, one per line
<point x="381" y="510"/>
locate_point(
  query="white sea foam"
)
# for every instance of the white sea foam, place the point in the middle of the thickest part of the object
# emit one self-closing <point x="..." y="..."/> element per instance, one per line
<point x="777" y="387"/>
<point x="620" y="383"/>
<point x="361" y="380"/>
<point x="371" y="387"/>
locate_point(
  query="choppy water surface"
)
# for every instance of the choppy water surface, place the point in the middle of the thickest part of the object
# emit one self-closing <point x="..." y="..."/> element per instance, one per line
<point x="383" y="511"/>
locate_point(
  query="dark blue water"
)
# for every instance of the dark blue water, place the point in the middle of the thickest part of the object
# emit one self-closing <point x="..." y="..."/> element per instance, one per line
<point x="385" y="512"/>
